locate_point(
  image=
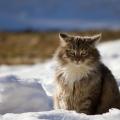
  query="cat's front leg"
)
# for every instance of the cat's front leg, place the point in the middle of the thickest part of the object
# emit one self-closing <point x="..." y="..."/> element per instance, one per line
<point x="85" y="107"/>
<point x="56" y="102"/>
<point x="60" y="103"/>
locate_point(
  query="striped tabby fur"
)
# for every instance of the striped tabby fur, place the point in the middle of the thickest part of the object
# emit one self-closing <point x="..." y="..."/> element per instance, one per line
<point x="83" y="83"/>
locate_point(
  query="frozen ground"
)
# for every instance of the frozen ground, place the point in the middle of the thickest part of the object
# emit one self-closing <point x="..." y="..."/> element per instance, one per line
<point x="26" y="91"/>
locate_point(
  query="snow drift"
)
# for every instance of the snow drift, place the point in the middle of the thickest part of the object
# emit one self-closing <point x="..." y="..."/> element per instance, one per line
<point x="113" y="114"/>
<point x="18" y="96"/>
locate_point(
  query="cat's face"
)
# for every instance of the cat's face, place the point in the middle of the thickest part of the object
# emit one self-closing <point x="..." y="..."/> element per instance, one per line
<point x="78" y="49"/>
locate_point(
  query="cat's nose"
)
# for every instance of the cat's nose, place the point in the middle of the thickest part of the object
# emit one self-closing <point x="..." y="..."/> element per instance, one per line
<point x="77" y="59"/>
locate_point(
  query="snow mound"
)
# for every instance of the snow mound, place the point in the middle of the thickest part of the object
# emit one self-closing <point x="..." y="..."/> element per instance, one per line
<point x="113" y="114"/>
<point x="18" y="96"/>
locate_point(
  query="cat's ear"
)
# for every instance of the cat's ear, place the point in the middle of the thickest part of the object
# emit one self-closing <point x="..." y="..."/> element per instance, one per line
<point x="95" y="39"/>
<point x="64" y="38"/>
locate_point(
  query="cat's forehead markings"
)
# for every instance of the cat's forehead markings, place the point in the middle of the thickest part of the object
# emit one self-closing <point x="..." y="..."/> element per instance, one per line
<point x="77" y="38"/>
<point x="81" y="38"/>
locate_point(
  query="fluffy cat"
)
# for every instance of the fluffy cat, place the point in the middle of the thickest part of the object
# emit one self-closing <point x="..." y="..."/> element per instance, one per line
<point x="83" y="82"/>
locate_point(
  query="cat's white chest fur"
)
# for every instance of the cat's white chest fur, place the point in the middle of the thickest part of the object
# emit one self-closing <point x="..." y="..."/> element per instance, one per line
<point x="72" y="72"/>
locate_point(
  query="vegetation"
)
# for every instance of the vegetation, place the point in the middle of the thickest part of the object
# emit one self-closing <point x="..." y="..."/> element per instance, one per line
<point x="32" y="47"/>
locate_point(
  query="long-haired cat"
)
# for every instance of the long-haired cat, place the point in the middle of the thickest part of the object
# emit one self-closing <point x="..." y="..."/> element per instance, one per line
<point x="83" y="82"/>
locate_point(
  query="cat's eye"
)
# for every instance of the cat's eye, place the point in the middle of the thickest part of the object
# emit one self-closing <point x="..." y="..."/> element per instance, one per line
<point x="83" y="53"/>
<point x="72" y="53"/>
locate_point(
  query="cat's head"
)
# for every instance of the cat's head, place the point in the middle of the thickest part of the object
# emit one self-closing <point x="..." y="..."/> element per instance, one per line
<point x="78" y="49"/>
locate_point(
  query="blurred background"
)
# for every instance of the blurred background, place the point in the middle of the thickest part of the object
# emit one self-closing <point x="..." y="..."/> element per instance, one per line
<point x="29" y="28"/>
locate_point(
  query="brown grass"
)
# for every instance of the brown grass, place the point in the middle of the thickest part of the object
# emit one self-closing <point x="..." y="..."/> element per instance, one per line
<point x="32" y="47"/>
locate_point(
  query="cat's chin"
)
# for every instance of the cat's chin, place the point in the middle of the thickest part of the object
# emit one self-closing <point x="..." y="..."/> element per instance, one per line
<point x="78" y="64"/>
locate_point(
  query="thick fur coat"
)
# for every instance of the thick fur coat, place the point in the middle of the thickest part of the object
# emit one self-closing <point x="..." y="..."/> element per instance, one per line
<point x="83" y="82"/>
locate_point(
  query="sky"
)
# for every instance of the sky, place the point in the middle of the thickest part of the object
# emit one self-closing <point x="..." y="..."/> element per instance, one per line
<point x="59" y="14"/>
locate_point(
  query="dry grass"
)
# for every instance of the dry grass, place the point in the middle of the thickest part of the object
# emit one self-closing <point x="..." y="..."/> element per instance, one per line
<point x="32" y="47"/>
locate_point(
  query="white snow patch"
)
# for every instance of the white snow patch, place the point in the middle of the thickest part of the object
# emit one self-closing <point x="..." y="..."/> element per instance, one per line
<point x="113" y="114"/>
<point x="110" y="52"/>
<point x="19" y="95"/>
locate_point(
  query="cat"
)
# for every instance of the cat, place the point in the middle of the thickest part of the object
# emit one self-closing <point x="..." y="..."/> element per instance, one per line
<point x="83" y="82"/>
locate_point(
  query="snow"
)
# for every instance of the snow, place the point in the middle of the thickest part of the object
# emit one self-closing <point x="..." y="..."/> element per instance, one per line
<point x="113" y="114"/>
<point x="18" y="96"/>
<point x="26" y="91"/>
<point x="111" y="56"/>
